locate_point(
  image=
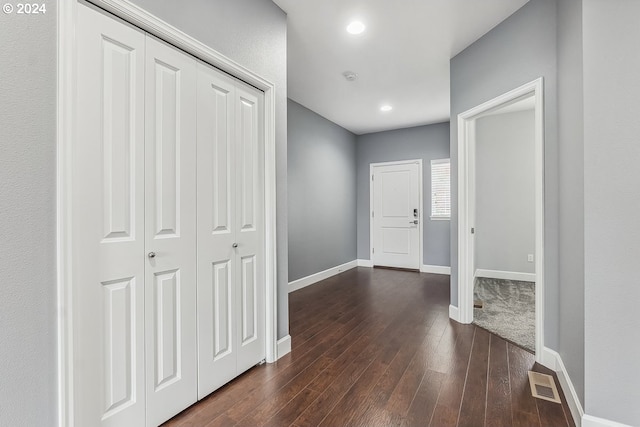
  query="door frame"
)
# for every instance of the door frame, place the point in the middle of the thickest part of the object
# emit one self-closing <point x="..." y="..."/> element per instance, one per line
<point x="65" y="140"/>
<point x="466" y="198"/>
<point x="420" y="203"/>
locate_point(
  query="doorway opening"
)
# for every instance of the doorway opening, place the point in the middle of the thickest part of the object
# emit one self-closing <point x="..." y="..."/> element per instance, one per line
<point x="501" y="209"/>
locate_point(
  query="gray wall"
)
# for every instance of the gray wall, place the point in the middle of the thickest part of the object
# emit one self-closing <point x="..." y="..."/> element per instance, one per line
<point x="28" y="212"/>
<point x="571" y="186"/>
<point x="505" y="192"/>
<point x="612" y="207"/>
<point x="322" y="193"/>
<point x="517" y="51"/>
<point x="252" y="33"/>
<point x="422" y="142"/>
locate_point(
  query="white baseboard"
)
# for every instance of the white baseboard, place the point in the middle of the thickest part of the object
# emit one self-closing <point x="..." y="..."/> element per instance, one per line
<point x="365" y="263"/>
<point x="283" y="346"/>
<point x="436" y="269"/>
<point x="591" y="421"/>
<point x="505" y="275"/>
<point x="310" y="280"/>
<point x="454" y="313"/>
<point x="552" y="360"/>
<point x="549" y="358"/>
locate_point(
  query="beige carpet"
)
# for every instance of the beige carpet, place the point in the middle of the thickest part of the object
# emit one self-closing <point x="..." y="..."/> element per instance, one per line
<point x="508" y="310"/>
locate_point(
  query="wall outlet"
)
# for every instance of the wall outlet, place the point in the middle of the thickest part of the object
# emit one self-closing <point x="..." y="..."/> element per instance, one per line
<point x="530" y="258"/>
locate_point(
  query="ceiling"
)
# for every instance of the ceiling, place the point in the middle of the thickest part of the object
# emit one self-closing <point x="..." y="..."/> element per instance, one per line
<point x="401" y="59"/>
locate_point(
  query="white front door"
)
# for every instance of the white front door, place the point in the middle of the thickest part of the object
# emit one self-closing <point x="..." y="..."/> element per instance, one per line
<point x="396" y="214"/>
<point x="170" y="231"/>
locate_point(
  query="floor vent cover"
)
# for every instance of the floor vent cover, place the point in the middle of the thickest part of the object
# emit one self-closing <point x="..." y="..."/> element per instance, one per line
<point x="543" y="387"/>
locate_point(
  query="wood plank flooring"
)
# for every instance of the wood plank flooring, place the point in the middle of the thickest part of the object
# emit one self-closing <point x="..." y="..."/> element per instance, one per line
<point x="375" y="347"/>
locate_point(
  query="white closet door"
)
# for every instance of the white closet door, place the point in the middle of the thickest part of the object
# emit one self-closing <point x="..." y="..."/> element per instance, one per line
<point x="217" y="344"/>
<point x="108" y="223"/>
<point x="170" y="223"/>
<point x="230" y="229"/>
<point x="249" y="187"/>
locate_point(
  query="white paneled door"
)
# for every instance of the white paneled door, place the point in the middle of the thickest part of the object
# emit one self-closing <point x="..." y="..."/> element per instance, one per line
<point x="396" y="214"/>
<point x="216" y="231"/>
<point x="168" y="227"/>
<point x="170" y="231"/>
<point x="249" y="205"/>
<point x="108" y="224"/>
<point x="230" y="229"/>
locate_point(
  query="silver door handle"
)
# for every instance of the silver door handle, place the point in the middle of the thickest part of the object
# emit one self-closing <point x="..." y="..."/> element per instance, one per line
<point x="235" y="245"/>
<point x="415" y="221"/>
<point x="151" y="255"/>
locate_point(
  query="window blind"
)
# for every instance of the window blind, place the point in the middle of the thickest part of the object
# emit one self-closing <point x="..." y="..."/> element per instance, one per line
<point x="440" y="189"/>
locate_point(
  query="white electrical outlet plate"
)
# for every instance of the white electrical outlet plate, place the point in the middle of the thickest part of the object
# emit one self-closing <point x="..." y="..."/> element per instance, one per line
<point x="530" y="258"/>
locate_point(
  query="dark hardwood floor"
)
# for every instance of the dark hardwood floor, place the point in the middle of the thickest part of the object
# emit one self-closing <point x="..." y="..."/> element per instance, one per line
<point x="375" y="347"/>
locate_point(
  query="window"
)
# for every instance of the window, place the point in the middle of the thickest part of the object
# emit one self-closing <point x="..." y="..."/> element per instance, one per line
<point x="440" y="189"/>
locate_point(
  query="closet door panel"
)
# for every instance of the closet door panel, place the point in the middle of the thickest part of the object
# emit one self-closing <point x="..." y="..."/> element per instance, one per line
<point x="250" y="231"/>
<point x="108" y="223"/>
<point x="170" y="195"/>
<point x="248" y="297"/>
<point x="217" y="325"/>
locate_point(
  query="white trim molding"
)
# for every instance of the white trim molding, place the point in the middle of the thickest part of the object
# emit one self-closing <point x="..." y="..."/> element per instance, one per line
<point x="435" y="269"/>
<point x="591" y="421"/>
<point x="466" y="200"/>
<point x="365" y="263"/>
<point x="505" y="275"/>
<point x="284" y="346"/>
<point x="65" y="132"/>
<point x="314" y="278"/>
<point x="454" y="313"/>
<point x="552" y="360"/>
<point x="66" y="118"/>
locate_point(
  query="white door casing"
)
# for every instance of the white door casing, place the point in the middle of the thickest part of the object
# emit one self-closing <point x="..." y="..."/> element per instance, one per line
<point x="396" y="214"/>
<point x="108" y="227"/>
<point x="170" y="223"/>
<point x="466" y="204"/>
<point x="230" y="229"/>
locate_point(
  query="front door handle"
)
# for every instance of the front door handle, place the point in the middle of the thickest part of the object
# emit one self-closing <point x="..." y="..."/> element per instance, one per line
<point x="415" y="221"/>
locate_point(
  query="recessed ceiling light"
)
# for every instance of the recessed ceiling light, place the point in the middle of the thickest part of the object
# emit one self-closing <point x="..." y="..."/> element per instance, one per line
<point x="386" y="108"/>
<point x="355" y="27"/>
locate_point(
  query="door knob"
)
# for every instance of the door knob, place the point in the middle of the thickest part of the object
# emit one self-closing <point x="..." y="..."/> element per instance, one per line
<point x="151" y="255"/>
<point x="415" y="221"/>
<point x="235" y="245"/>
